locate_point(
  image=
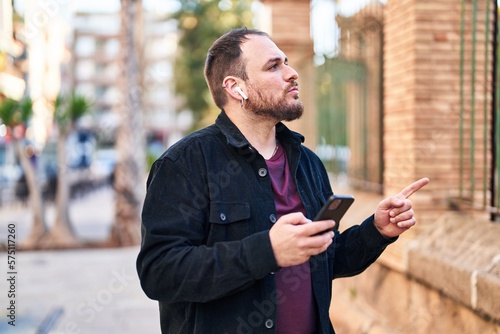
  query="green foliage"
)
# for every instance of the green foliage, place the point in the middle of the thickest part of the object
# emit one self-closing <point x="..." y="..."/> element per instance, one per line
<point x="26" y="109"/>
<point x="68" y="109"/>
<point x="201" y="22"/>
<point x="14" y="112"/>
<point x="7" y="111"/>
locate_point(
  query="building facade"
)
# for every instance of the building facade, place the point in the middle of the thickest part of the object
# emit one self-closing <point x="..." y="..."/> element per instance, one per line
<point x="96" y="47"/>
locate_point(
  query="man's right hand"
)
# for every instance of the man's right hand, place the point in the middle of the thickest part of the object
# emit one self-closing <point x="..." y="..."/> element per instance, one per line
<point x="295" y="238"/>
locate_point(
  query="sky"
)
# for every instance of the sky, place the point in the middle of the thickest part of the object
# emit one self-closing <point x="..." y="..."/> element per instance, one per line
<point x="324" y="29"/>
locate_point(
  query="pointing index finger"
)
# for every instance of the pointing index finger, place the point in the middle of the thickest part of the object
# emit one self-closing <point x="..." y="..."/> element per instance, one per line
<point x="408" y="191"/>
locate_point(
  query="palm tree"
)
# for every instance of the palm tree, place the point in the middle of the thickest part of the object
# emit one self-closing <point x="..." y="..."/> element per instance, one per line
<point x="67" y="111"/>
<point x="130" y="168"/>
<point x="16" y="115"/>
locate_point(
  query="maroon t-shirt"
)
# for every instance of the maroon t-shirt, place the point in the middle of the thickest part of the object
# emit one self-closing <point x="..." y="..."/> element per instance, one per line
<point x="296" y="312"/>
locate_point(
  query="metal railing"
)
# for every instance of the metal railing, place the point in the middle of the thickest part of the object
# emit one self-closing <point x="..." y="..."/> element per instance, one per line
<point x="479" y="127"/>
<point x="350" y="107"/>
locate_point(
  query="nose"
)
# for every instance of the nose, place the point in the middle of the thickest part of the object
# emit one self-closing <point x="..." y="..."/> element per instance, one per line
<point x="291" y="74"/>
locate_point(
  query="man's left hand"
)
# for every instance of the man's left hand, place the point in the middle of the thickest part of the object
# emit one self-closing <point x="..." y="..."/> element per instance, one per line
<point x="394" y="215"/>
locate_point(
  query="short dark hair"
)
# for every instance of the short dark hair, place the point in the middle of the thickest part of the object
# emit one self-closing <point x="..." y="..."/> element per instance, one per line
<point x="224" y="58"/>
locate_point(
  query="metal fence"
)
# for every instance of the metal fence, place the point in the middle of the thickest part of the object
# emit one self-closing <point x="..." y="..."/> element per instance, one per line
<point x="479" y="134"/>
<point x="349" y="101"/>
<point x="349" y="126"/>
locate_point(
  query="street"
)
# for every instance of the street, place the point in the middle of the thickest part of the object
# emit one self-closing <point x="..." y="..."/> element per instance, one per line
<point x="72" y="291"/>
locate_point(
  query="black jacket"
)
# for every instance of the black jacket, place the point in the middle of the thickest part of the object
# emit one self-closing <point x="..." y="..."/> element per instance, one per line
<point x="206" y="255"/>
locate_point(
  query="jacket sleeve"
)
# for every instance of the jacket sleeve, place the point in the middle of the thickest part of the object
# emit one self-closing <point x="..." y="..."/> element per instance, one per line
<point x="357" y="248"/>
<point x="174" y="263"/>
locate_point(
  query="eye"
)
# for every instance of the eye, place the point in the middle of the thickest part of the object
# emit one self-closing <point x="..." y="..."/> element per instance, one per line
<point x="274" y="66"/>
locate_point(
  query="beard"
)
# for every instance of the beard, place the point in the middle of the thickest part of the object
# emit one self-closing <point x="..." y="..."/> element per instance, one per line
<point x="273" y="107"/>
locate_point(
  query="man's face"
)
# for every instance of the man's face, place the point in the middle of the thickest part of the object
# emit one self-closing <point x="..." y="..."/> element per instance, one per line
<point x="272" y="86"/>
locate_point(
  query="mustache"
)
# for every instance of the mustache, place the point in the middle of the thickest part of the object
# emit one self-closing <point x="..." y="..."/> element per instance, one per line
<point x="294" y="83"/>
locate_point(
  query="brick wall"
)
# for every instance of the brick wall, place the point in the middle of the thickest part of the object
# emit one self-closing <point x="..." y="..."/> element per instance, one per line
<point x="443" y="276"/>
<point x="422" y="99"/>
<point x="399" y="102"/>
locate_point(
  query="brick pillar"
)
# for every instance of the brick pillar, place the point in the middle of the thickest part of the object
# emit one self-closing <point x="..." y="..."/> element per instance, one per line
<point x="399" y="94"/>
<point x="422" y="96"/>
<point x="289" y="26"/>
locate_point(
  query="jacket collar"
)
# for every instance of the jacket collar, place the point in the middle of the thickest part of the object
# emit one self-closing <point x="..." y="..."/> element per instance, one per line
<point x="237" y="139"/>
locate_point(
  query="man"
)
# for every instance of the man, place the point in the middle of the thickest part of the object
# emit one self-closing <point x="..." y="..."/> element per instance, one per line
<point x="228" y="242"/>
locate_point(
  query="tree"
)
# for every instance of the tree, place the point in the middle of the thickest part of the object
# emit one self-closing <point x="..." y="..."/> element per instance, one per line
<point x="130" y="143"/>
<point x="16" y="115"/>
<point x="67" y="111"/>
<point x="200" y="24"/>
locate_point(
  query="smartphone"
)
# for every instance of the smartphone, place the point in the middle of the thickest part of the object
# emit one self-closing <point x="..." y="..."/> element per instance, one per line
<point x="335" y="208"/>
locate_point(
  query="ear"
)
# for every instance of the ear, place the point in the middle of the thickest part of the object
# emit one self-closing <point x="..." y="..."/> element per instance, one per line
<point x="230" y="84"/>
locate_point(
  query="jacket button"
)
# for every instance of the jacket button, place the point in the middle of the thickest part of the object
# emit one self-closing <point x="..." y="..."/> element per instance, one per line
<point x="272" y="218"/>
<point x="262" y="172"/>
<point x="269" y="323"/>
<point x="222" y="217"/>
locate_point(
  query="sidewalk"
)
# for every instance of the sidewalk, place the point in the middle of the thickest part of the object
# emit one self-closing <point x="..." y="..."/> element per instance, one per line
<point x="91" y="216"/>
<point x="75" y="291"/>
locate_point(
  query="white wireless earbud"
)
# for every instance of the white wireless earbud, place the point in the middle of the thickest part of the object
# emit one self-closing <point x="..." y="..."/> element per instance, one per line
<point x="243" y="95"/>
